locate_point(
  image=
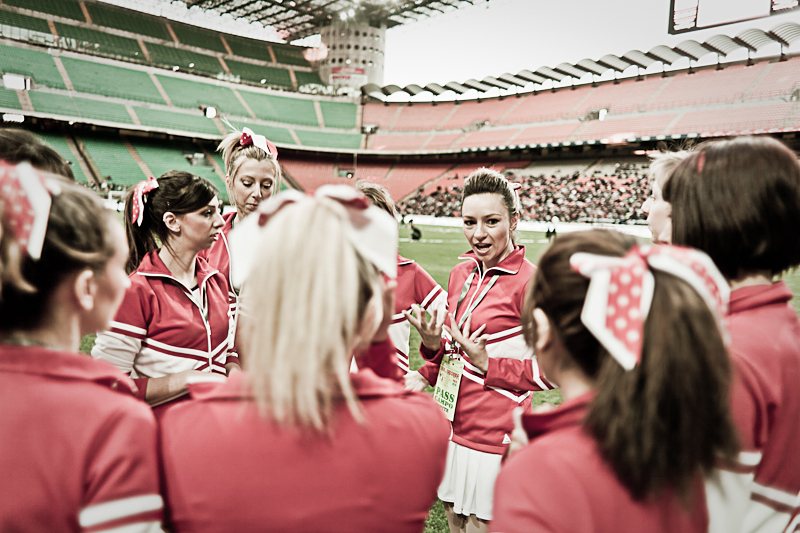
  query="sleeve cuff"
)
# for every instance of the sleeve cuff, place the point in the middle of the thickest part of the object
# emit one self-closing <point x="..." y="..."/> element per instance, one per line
<point x="233" y="358"/>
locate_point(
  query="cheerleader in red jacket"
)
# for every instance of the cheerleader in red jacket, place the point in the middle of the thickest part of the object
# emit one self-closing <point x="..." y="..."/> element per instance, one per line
<point x="173" y="322"/>
<point x="487" y="290"/>
<point x="414" y="285"/>
<point x="252" y="174"/>
<point x="739" y="201"/>
<point x="78" y="451"/>
<point x="633" y="336"/>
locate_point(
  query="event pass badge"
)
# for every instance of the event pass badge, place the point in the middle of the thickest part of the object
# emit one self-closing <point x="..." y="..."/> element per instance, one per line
<point x="447" y="384"/>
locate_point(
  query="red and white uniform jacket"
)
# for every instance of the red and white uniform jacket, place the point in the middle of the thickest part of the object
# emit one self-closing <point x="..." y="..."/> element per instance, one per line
<point x="483" y="412"/>
<point x="414" y="286"/>
<point x="765" y="348"/>
<point x="161" y="330"/>
<point x="283" y="478"/>
<point x="78" y="450"/>
<point x="219" y="257"/>
<point x="560" y="482"/>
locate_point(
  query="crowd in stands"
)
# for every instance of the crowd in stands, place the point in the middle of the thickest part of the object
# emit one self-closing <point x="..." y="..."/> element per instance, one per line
<point x="617" y="197"/>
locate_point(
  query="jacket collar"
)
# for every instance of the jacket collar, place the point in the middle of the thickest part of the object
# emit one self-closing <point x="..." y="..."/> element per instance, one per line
<point x="401" y="261"/>
<point x="759" y="296"/>
<point x="40" y="361"/>
<point x="509" y="265"/>
<point x="569" y="413"/>
<point x="153" y="266"/>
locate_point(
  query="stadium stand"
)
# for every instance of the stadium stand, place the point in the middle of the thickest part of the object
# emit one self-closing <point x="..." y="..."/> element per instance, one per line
<point x="18" y="20"/>
<point x="408" y="177"/>
<point x="380" y="115"/>
<point x="172" y="121"/>
<point x="281" y="109"/>
<point x="64" y="105"/>
<point x="548" y="133"/>
<point x="191" y="94"/>
<point x="59" y="144"/>
<point x="545" y="105"/>
<point x="734" y="120"/>
<point x="274" y="134"/>
<point x="114" y="160"/>
<point x="199" y="37"/>
<point x="63" y="8"/>
<point x="170" y="56"/>
<point x="403" y="143"/>
<point x="272" y="76"/>
<point x="248" y="48"/>
<point x="634" y="94"/>
<point x="619" y="129"/>
<point x="782" y="79"/>
<point x="38" y="65"/>
<point x="9" y="99"/>
<point x="305" y="78"/>
<point x="374" y="172"/>
<point x="480" y="138"/>
<point x="338" y="114"/>
<point x="110" y="80"/>
<point x="100" y="42"/>
<point x="468" y="113"/>
<point x="707" y="87"/>
<point x="421" y="117"/>
<point x="324" y="139"/>
<point x="441" y="141"/>
<point x="312" y="174"/>
<point x="289" y="55"/>
<point x="127" y="20"/>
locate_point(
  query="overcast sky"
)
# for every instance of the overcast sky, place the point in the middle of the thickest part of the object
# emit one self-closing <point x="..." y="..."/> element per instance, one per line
<point x="499" y="36"/>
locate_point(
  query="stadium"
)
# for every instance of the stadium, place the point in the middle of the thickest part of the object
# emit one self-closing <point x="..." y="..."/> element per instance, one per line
<point x="123" y="94"/>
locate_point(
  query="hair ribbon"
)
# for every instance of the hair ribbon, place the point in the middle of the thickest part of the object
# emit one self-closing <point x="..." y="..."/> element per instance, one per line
<point x="25" y="202"/>
<point x="140" y="197"/>
<point x="621" y="291"/>
<point x="249" y="137"/>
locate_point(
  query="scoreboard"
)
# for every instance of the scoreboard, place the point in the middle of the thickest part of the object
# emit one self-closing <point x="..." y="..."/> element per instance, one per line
<point x="690" y="15"/>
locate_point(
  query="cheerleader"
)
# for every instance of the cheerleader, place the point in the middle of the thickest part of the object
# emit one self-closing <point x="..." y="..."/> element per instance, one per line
<point x="739" y="201"/>
<point x="173" y="323"/>
<point x="314" y="447"/>
<point x="414" y="285"/>
<point x="486" y="290"/>
<point x="657" y="210"/>
<point x="78" y="451"/>
<point x="634" y="338"/>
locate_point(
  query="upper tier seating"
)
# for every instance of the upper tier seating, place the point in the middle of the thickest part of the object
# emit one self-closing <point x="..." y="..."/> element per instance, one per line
<point x="707" y="87"/>
<point x="127" y="20"/>
<point x="324" y="139"/>
<point x="61" y="104"/>
<point x="9" y="99"/>
<point x="59" y="144"/>
<point x="304" y="78"/>
<point x="192" y="94"/>
<point x="198" y="37"/>
<point x="100" y="42"/>
<point x="17" y="20"/>
<point x="338" y="114"/>
<point x="781" y="79"/>
<point x="734" y="120"/>
<point x="468" y="113"/>
<point x="38" y="65"/>
<point x="289" y="55"/>
<point x="397" y="142"/>
<point x="168" y="120"/>
<point x="619" y="129"/>
<point x="110" y="80"/>
<point x="70" y="9"/>
<point x="186" y="60"/>
<point x="274" y="134"/>
<point x="273" y="76"/>
<point x="113" y="159"/>
<point x="248" y="48"/>
<point x="441" y="141"/>
<point x="545" y="105"/>
<point x="380" y="115"/>
<point x="480" y="138"/>
<point x="281" y="109"/>
<point x="421" y="117"/>
<point x="548" y="133"/>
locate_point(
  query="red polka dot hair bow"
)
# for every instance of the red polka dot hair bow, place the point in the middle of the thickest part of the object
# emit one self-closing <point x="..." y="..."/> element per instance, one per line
<point x="373" y="232"/>
<point x="621" y="290"/>
<point x="249" y="137"/>
<point x="140" y="197"/>
<point x="25" y="201"/>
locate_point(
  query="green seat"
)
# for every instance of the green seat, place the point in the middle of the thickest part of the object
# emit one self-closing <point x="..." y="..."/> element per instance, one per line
<point x="127" y="20"/>
<point x="186" y="60"/>
<point x="325" y="139"/>
<point x="338" y="114"/>
<point x="100" y="42"/>
<point x="281" y="109"/>
<point x="169" y="120"/>
<point x="17" y="20"/>
<point x="113" y="159"/>
<point x="9" y="99"/>
<point x="63" y="8"/>
<point x="110" y="80"/>
<point x="305" y="78"/>
<point x="59" y="104"/>
<point x="275" y="134"/>
<point x="290" y="55"/>
<point x="248" y="48"/>
<point x="59" y="144"/>
<point x="191" y="94"/>
<point x="198" y="37"/>
<point x="38" y="65"/>
<point x="278" y="77"/>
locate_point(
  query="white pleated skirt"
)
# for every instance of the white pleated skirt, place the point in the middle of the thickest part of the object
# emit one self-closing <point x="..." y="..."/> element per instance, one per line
<point x="468" y="482"/>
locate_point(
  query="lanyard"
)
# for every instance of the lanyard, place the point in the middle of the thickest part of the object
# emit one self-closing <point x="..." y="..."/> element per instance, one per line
<point x="465" y="289"/>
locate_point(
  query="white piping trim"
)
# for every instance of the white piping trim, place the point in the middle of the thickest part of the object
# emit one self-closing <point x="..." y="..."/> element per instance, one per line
<point x="749" y="458"/>
<point x="114" y="510"/>
<point x="505" y="333"/>
<point x="537" y="376"/>
<point x="128" y="327"/>
<point x="142" y="527"/>
<point x="777" y="495"/>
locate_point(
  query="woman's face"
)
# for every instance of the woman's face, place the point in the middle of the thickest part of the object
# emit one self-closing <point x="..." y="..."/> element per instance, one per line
<point x="111" y="284"/>
<point x="659" y="216"/>
<point x="200" y="229"/>
<point x="487" y="227"/>
<point x="253" y="181"/>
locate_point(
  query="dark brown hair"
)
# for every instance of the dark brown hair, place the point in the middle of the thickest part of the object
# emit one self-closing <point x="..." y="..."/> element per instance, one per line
<point x="484" y="181"/>
<point x="378" y="195"/>
<point x="77" y="238"/>
<point x="178" y="193"/>
<point x="739" y="201"/>
<point x="18" y="145"/>
<point x="668" y="419"/>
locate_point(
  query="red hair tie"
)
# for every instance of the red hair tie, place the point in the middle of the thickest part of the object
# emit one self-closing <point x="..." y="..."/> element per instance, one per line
<point x="139" y="198"/>
<point x="245" y="140"/>
<point x="249" y="137"/>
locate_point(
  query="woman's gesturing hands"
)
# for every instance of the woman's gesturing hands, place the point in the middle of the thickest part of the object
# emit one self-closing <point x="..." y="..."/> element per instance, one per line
<point x="473" y="344"/>
<point x="431" y="332"/>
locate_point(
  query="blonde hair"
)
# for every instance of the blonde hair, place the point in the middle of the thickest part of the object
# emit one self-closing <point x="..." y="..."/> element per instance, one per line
<point x="234" y="154"/>
<point x="663" y="163"/>
<point x="378" y="195"/>
<point x="303" y="307"/>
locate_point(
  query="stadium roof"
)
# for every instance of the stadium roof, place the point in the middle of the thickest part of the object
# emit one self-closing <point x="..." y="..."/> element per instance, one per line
<point x="295" y="19"/>
<point x="750" y="39"/>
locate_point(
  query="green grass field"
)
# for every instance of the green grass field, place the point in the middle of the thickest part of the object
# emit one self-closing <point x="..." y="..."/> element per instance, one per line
<point x="438" y="253"/>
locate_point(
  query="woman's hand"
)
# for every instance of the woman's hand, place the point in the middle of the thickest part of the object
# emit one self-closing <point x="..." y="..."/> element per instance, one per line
<point x="431" y="332"/>
<point x="473" y="344"/>
<point x="415" y="382"/>
<point x="519" y="437"/>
